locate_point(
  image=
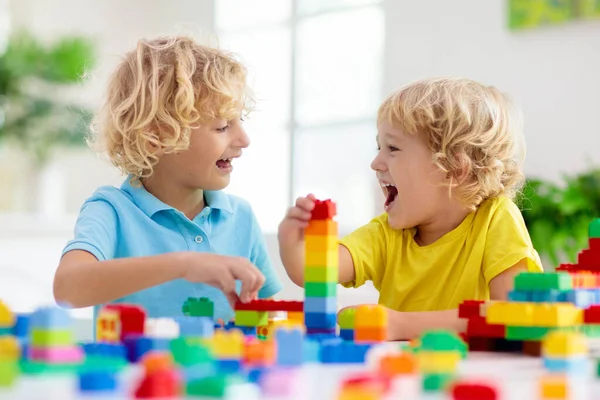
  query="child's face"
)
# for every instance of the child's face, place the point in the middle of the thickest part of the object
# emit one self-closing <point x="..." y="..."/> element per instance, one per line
<point x="412" y="184"/>
<point x="207" y="163"/>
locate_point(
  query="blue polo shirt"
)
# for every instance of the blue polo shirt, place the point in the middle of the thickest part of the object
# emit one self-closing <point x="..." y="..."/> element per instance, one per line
<point x="130" y="222"/>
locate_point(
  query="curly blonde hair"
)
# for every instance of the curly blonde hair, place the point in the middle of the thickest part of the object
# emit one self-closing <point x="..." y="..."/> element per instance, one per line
<point x="158" y="93"/>
<point x="473" y="131"/>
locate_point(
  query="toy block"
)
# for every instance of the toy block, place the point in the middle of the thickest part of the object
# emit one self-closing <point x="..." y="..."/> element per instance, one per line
<point x="367" y="382"/>
<point x="519" y="295"/>
<point x="138" y="346"/>
<point x="7" y="318"/>
<point x="519" y="314"/>
<point x="573" y="365"/>
<point x="9" y="372"/>
<point x="361" y="393"/>
<point x="442" y="340"/>
<point x="438" y="361"/>
<point x="195" y="326"/>
<point x="21" y="327"/>
<point x="347" y="318"/>
<point x="199" y="307"/>
<point x="591" y="315"/>
<point x="258" y="353"/>
<point x="527" y="332"/>
<point x="473" y="390"/>
<point x="532" y="348"/>
<point x="50" y="318"/>
<point x="214" y="386"/>
<point x="251" y="318"/>
<point x="228" y="344"/>
<point x="295" y="317"/>
<point x="329" y="332"/>
<point x="559" y="344"/>
<point x="314" y="243"/>
<point x="56" y="355"/>
<point x="581" y="298"/>
<point x="161" y="384"/>
<point x="161" y="328"/>
<point x="320" y="289"/>
<point x="528" y="281"/>
<point x="327" y="305"/>
<point x="480" y="343"/>
<point x="97" y="381"/>
<point x="553" y="387"/>
<point x="320" y="320"/>
<point x="477" y="326"/>
<point x="370" y="335"/>
<point x="270" y="305"/>
<point x="322" y="227"/>
<point x="321" y="274"/>
<point x="322" y="259"/>
<point x="108" y="326"/>
<point x="436" y="382"/>
<point x="557" y="315"/>
<point x="10" y="349"/>
<point x="104" y="356"/>
<point x="61" y="337"/>
<point x="469" y="308"/>
<point x="280" y="383"/>
<point x="368" y="316"/>
<point x="187" y="353"/>
<point x="392" y="365"/>
<point x="594" y="228"/>
<point x="324" y="209"/>
<point x="590" y="330"/>
<point x="347" y="334"/>
<point x="132" y="318"/>
<point x="547" y="296"/>
<point x="228" y="366"/>
<point x="340" y="352"/>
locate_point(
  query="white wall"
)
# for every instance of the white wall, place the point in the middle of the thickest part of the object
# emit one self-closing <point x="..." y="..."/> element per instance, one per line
<point x="552" y="72"/>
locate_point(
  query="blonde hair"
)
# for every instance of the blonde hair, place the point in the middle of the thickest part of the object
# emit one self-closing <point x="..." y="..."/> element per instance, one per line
<point x="473" y="131"/>
<point x="158" y="93"/>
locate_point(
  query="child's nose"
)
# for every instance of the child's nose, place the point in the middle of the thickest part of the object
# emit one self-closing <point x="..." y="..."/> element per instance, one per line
<point x="242" y="140"/>
<point x="377" y="164"/>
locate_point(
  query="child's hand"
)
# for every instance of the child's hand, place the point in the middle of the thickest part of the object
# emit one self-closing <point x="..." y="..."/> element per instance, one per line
<point x="291" y="229"/>
<point x="222" y="272"/>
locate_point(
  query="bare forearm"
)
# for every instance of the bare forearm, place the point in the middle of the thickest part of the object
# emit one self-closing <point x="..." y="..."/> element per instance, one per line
<point x="410" y="325"/>
<point x="96" y="282"/>
<point x="292" y="258"/>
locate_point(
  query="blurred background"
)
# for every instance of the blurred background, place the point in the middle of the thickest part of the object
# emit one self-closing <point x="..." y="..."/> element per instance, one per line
<point x="320" y="68"/>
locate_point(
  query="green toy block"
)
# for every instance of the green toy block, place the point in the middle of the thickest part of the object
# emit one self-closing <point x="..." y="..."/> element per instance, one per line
<point x="436" y="382"/>
<point x="321" y="274"/>
<point x="528" y="281"/>
<point x="346" y="318"/>
<point x="188" y="352"/>
<point x="46" y="338"/>
<point x="9" y="371"/>
<point x="320" y="289"/>
<point x="594" y="229"/>
<point x="590" y="330"/>
<point x="198" y="307"/>
<point x="443" y="340"/>
<point x="36" y="367"/>
<point x="211" y="386"/>
<point x="533" y="332"/>
<point x="251" y="318"/>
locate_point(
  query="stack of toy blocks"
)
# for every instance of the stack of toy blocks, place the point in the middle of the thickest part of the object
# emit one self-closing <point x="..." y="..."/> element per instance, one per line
<point x="255" y="314"/>
<point x="321" y="269"/>
<point x="346" y="322"/>
<point x="370" y="324"/>
<point x="10" y="352"/>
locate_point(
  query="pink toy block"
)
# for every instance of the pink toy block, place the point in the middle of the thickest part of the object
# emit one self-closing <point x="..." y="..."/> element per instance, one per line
<point x="70" y="354"/>
<point x="279" y="382"/>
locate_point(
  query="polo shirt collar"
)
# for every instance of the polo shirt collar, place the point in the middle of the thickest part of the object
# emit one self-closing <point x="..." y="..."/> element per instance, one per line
<point x="150" y="205"/>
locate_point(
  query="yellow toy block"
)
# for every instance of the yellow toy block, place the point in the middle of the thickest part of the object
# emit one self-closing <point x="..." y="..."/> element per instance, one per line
<point x="108" y="326"/>
<point x="554" y="387"/>
<point x="7" y="317"/>
<point x="10" y="350"/>
<point x="557" y="315"/>
<point x="562" y="344"/>
<point x="438" y="361"/>
<point x="322" y="258"/>
<point x="507" y="313"/>
<point x="360" y="393"/>
<point x="318" y="243"/>
<point x="370" y="316"/>
<point x="228" y="344"/>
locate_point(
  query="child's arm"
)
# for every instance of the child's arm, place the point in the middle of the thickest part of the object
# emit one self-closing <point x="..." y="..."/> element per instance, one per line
<point x="291" y="243"/>
<point x="410" y="325"/>
<point x="82" y="281"/>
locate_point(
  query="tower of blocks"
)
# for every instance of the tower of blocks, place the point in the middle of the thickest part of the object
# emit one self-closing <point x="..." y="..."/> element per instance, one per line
<point x="321" y="269"/>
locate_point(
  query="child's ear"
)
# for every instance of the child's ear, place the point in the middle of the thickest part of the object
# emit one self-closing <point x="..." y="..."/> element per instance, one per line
<point x="462" y="171"/>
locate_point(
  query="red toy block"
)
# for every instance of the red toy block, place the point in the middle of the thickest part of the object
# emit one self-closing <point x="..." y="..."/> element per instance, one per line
<point x="270" y="305"/>
<point x="480" y="343"/>
<point x="594" y="245"/>
<point x="160" y="384"/>
<point x="465" y="390"/>
<point x="469" y="308"/>
<point x="379" y="382"/>
<point x="324" y="209"/>
<point x="132" y="317"/>
<point x="591" y="315"/>
<point x="477" y="326"/>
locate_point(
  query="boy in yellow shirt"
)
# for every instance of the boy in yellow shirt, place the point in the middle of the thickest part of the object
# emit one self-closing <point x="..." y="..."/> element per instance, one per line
<point x="450" y="232"/>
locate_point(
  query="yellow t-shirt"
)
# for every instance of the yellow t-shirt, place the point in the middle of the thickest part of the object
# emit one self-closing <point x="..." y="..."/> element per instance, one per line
<point x="459" y="266"/>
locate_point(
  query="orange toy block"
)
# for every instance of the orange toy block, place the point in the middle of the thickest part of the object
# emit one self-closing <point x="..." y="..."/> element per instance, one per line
<point x="320" y="243"/>
<point x="155" y="361"/>
<point x="260" y="354"/>
<point x="320" y="227"/>
<point x="370" y="335"/>
<point x="371" y="316"/>
<point x="554" y="387"/>
<point x="322" y="259"/>
<point x="392" y="365"/>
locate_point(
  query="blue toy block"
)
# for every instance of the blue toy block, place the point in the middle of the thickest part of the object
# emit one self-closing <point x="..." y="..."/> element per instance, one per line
<point x="198" y="371"/>
<point x="320" y="320"/>
<point x="97" y="381"/>
<point x="195" y="326"/>
<point x="137" y="346"/>
<point x="571" y="365"/>
<point x="228" y="366"/>
<point x="341" y="352"/>
<point x="580" y="298"/>
<point x="50" y="318"/>
<point x="105" y="350"/>
<point x="289" y="347"/>
<point x="247" y="330"/>
<point x="310" y="351"/>
<point x="519" y="295"/>
<point x="547" y="296"/>
<point x="229" y="326"/>
<point x="21" y="327"/>
<point x="320" y="335"/>
<point x="321" y="305"/>
<point x="347" y="334"/>
<point x="596" y="296"/>
<point x="253" y="375"/>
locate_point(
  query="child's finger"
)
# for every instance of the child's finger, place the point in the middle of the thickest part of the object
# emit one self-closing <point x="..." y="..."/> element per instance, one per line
<point x="299" y="213"/>
<point x="305" y="203"/>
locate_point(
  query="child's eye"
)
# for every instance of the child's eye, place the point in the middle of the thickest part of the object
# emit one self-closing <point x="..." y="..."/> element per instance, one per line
<point x="223" y="129"/>
<point x="392" y="148"/>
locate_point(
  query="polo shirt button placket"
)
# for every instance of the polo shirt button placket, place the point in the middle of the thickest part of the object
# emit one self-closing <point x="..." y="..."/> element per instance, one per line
<point x="198" y="239"/>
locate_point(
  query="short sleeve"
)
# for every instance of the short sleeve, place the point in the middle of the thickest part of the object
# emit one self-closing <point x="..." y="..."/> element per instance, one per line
<point x="259" y="256"/>
<point x="367" y="246"/>
<point x="508" y="242"/>
<point x="95" y="230"/>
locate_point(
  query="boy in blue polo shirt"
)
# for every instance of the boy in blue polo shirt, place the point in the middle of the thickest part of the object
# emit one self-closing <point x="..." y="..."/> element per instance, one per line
<point x="172" y="123"/>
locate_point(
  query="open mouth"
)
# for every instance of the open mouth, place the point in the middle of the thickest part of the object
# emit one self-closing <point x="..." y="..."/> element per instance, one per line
<point x="224" y="163"/>
<point x="391" y="193"/>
